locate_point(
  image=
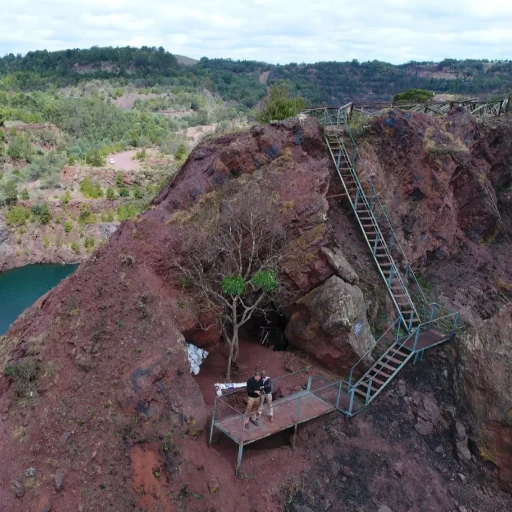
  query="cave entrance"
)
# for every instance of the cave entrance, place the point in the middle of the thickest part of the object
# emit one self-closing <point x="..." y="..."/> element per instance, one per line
<point x="267" y="329"/>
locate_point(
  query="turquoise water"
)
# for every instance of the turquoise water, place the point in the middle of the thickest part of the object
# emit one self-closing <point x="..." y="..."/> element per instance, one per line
<point x="21" y="287"/>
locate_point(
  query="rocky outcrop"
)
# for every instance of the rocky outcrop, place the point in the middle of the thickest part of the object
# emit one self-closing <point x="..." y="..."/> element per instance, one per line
<point x="340" y="265"/>
<point x="330" y="324"/>
<point x="484" y="374"/>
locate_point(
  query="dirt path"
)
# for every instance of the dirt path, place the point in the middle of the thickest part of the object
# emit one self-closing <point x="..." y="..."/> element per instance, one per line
<point x="123" y="161"/>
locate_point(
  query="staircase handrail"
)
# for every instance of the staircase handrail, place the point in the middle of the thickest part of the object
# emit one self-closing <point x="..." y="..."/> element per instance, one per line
<point x="369" y="207"/>
<point x="370" y="350"/>
<point x="386" y="216"/>
<point x="416" y="333"/>
<point x="364" y="200"/>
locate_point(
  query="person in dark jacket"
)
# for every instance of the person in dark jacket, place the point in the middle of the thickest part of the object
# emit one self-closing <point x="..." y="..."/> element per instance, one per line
<point x="266" y="396"/>
<point x="253" y="399"/>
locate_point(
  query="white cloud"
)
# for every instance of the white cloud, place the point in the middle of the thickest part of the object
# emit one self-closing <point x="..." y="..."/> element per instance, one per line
<point x="269" y="30"/>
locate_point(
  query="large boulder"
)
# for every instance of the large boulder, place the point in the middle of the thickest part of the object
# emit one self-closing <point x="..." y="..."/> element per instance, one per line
<point x="485" y="382"/>
<point x="330" y="324"/>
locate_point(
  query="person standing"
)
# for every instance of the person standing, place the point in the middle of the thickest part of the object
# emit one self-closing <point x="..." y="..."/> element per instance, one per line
<point x="266" y="396"/>
<point x="253" y="399"/>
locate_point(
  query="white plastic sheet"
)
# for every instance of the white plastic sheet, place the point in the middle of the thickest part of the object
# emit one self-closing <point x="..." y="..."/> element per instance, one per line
<point x="196" y="356"/>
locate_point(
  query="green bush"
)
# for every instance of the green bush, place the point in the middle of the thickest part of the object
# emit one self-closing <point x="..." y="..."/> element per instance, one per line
<point x="24" y="195"/>
<point x="137" y="193"/>
<point x="17" y="215"/>
<point x="64" y="200"/>
<point x="90" y="188"/>
<point x="89" y="242"/>
<point x="413" y="96"/>
<point x="68" y="226"/>
<point x="280" y="105"/>
<point x="124" y="192"/>
<point x="45" y="216"/>
<point x="47" y="166"/>
<point x="127" y="211"/>
<point x="75" y="247"/>
<point x="119" y="180"/>
<point x="10" y="191"/>
<point x="86" y="217"/>
<point x="181" y="153"/>
<point x="141" y="155"/>
<point x="107" y="216"/>
<point x="95" y="158"/>
<point x="110" y="193"/>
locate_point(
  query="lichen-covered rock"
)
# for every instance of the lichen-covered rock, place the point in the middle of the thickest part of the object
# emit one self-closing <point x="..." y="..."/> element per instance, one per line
<point x="330" y="324"/>
<point x="484" y="374"/>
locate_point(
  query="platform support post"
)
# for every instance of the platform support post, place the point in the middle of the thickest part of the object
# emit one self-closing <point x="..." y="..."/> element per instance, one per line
<point x="213" y="423"/>
<point x="239" y="460"/>
<point x="294" y="436"/>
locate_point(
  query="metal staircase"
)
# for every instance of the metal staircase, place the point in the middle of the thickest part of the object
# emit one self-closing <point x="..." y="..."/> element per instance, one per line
<point x="416" y="328"/>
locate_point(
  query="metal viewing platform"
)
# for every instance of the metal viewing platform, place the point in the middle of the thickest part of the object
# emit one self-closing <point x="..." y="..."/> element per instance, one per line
<point x="310" y="398"/>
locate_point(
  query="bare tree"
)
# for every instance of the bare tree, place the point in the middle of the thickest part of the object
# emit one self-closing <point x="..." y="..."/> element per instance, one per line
<point x="234" y="261"/>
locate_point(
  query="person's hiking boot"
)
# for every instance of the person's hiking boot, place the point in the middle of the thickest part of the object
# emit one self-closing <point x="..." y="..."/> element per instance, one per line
<point x="271" y="419"/>
<point x="255" y="422"/>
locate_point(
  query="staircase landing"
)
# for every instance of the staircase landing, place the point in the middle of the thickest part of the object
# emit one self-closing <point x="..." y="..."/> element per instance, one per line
<point x="427" y="339"/>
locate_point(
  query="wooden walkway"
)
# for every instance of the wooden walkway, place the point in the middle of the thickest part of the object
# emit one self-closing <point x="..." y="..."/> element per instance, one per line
<point x="288" y="412"/>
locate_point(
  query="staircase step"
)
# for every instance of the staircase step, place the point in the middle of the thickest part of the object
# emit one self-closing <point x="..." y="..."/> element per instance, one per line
<point x="380" y="372"/>
<point x="387" y="366"/>
<point x="360" y="392"/>
<point x="397" y="361"/>
<point x="374" y="379"/>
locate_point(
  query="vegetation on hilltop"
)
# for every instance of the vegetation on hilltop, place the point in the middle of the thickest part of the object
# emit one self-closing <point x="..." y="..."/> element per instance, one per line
<point x="330" y="82"/>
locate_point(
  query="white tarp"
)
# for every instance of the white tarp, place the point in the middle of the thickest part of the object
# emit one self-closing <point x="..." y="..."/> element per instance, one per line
<point x="196" y="356"/>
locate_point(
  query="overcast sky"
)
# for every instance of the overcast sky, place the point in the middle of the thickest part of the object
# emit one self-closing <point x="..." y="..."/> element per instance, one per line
<point x="276" y="31"/>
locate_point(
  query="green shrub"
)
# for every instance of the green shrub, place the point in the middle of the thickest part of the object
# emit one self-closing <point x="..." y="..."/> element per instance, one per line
<point x="124" y="192"/>
<point x="89" y="242"/>
<point x="46" y="166"/>
<point x="127" y="211"/>
<point x="95" y="158"/>
<point x="75" y="247"/>
<point x="119" y="180"/>
<point x="64" y="200"/>
<point x="46" y="215"/>
<point x="141" y="155"/>
<point x="279" y="104"/>
<point x="413" y="96"/>
<point x="24" y="195"/>
<point x="41" y="213"/>
<point x="107" y="216"/>
<point x="10" y="191"/>
<point x="137" y="193"/>
<point x="181" y="153"/>
<point x="17" y="215"/>
<point x="25" y="377"/>
<point x="110" y="193"/>
<point x="68" y="226"/>
<point x="90" y="188"/>
<point x="86" y="217"/>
